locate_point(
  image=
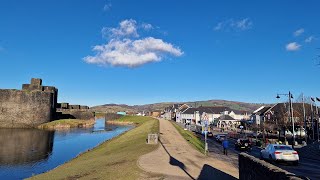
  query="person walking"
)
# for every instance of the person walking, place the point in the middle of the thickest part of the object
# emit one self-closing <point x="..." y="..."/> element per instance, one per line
<point x="225" y="144"/>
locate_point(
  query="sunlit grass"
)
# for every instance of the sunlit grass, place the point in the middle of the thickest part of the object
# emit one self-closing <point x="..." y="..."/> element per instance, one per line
<point x="191" y="138"/>
<point x="67" y="123"/>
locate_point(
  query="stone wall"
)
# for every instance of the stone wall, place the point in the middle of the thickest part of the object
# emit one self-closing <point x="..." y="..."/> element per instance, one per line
<point x="84" y="114"/>
<point x="33" y="105"/>
<point x="68" y="106"/>
<point x="24" y="109"/>
<point x="251" y="168"/>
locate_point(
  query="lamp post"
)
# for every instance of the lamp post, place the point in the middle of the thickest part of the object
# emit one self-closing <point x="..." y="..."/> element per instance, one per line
<point x="291" y="114"/>
<point x="304" y="119"/>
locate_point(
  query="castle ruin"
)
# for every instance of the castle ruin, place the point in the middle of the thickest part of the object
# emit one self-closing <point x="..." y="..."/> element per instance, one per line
<point x="36" y="104"/>
<point x="33" y="105"/>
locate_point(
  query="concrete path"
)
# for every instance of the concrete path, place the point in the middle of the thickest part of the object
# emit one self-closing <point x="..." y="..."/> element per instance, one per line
<point x="177" y="159"/>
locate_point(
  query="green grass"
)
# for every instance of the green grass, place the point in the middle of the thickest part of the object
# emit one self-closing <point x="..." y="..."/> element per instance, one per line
<point x="68" y="123"/>
<point x="191" y="138"/>
<point x="113" y="159"/>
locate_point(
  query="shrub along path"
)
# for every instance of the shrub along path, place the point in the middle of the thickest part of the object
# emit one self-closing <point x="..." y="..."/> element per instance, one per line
<point x="177" y="159"/>
<point x="114" y="159"/>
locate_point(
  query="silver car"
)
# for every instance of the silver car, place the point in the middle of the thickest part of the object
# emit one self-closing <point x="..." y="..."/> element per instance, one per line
<point x="279" y="152"/>
<point x="220" y="137"/>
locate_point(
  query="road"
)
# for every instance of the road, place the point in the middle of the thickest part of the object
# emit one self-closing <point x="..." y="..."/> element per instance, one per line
<point x="307" y="167"/>
<point x="177" y="159"/>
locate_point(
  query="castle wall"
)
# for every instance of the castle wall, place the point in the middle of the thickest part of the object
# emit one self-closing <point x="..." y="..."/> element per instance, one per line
<point x="83" y="114"/>
<point x="25" y="109"/>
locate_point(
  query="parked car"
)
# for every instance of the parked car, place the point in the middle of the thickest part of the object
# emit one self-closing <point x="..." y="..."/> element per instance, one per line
<point x="297" y="133"/>
<point x="220" y="137"/>
<point x="277" y="152"/>
<point x="243" y="144"/>
<point x="209" y="134"/>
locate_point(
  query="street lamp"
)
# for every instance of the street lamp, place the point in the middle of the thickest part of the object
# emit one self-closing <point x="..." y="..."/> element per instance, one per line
<point x="291" y="114"/>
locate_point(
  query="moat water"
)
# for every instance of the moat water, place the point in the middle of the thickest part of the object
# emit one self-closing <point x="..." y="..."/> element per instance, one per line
<point x="28" y="152"/>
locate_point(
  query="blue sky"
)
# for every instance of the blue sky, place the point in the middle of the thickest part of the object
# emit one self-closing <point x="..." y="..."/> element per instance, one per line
<point x="161" y="50"/>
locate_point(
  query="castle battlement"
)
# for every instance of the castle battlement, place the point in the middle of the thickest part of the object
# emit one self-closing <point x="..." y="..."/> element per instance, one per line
<point x="33" y="105"/>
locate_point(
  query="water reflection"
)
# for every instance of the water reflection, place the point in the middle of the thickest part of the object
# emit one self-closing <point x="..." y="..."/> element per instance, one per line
<point x="27" y="152"/>
<point x="23" y="146"/>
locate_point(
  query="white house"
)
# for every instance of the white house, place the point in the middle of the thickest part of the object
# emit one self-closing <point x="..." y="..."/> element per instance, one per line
<point x="193" y="115"/>
<point x="173" y="112"/>
<point x="239" y="115"/>
<point x="228" y="122"/>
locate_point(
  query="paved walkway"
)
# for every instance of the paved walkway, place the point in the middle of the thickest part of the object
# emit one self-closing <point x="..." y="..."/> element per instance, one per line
<point x="177" y="159"/>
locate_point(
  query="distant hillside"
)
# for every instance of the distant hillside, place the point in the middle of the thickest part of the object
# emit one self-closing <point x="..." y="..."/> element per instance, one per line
<point x="250" y="107"/>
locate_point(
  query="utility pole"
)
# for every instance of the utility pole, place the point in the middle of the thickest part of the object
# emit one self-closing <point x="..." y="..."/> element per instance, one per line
<point x="289" y="115"/>
<point x="311" y="104"/>
<point x="304" y="118"/>
<point x="291" y="112"/>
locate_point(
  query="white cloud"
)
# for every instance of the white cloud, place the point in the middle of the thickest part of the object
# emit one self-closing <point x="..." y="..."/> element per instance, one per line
<point x="243" y="24"/>
<point x="293" y="46"/>
<point x="107" y="6"/>
<point x="298" y="32"/>
<point x="126" y="28"/>
<point x="309" y="39"/>
<point x="123" y="49"/>
<point x="230" y="24"/>
<point x="147" y="26"/>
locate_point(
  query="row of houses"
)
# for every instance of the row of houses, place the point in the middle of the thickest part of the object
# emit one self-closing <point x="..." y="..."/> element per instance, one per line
<point x="280" y="112"/>
<point x="218" y="116"/>
<point x="224" y="117"/>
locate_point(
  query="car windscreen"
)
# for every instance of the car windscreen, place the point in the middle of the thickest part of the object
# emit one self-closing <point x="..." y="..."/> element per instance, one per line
<point x="282" y="148"/>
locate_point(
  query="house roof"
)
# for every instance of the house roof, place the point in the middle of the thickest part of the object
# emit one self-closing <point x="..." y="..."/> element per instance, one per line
<point x="183" y="109"/>
<point x="190" y="111"/>
<point x="226" y="117"/>
<point x="239" y="111"/>
<point x="282" y="108"/>
<point x="210" y="110"/>
<point x="263" y="111"/>
<point x="217" y="109"/>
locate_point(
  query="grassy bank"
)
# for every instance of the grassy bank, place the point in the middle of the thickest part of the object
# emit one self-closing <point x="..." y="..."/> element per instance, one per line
<point x="191" y="138"/>
<point x="114" y="159"/>
<point x="66" y="124"/>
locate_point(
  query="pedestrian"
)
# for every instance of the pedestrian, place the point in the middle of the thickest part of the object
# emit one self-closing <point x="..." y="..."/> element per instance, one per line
<point x="225" y="144"/>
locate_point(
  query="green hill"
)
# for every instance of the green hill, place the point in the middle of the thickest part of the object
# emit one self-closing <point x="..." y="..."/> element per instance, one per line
<point x="250" y="107"/>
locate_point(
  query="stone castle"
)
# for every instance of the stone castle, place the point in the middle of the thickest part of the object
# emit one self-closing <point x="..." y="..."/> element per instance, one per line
<point x="34" y="105"/>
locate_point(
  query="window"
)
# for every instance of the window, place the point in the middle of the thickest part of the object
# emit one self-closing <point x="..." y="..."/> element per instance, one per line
<point x="282" y="148"/>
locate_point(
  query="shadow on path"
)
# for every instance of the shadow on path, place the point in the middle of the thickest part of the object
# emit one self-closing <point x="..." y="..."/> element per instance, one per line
<point x="175" y="162"/>
<point x="209" y="172"/>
